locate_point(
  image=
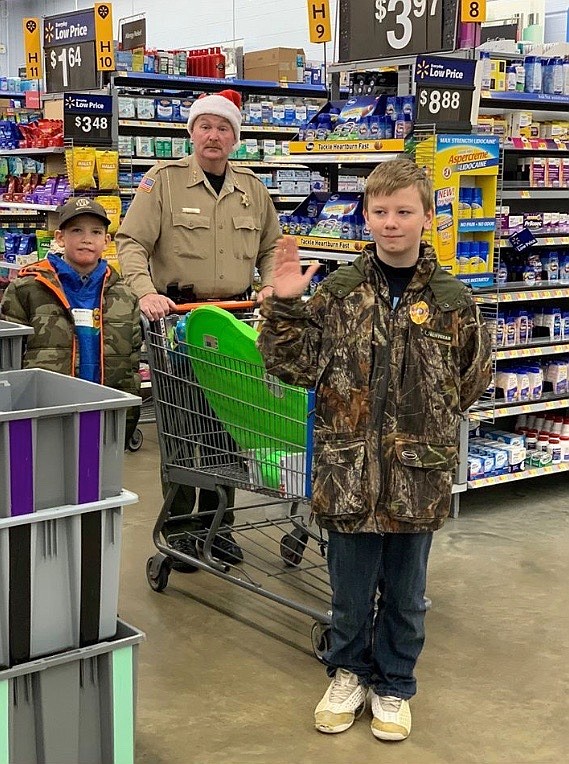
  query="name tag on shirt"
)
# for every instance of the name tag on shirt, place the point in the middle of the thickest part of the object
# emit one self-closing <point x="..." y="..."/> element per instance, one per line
<point x="84" y="317"/>
<point x="191" y="210"/>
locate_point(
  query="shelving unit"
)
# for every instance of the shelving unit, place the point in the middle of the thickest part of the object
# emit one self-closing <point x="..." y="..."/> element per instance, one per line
<point x="135" y="84"/>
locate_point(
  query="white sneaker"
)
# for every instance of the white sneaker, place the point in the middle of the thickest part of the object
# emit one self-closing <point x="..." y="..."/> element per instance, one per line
<point x="343" y="701"/>
<point x="391" y="717"/>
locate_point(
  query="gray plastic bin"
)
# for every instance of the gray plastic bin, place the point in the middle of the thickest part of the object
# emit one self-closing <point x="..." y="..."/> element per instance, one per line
<point x="74" y="708"/>
<point x="61" y="441"/>
<point x="11" y="336"/>
<point x="59" y="578"/>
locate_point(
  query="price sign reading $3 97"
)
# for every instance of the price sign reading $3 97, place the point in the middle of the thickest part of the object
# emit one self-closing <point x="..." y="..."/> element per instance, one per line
<point x="408" y="26"/>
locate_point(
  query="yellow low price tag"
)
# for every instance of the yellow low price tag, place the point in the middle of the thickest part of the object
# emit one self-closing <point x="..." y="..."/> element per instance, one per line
<point x="32" y="46"/>
<point x="472" y="10"/>
<point x="319" y="26"/>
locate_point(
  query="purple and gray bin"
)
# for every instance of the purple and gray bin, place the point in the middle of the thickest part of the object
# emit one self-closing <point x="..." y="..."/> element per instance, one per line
<point x="61" y="510"/>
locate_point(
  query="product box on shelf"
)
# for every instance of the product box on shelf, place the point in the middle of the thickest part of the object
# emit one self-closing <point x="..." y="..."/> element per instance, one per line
<point x="61" y="441"/>
<point x="328" y="221"/>
<point x="361" y="124"/>
<point x="274" y="64"/>
<point x="78" y="706"/>
<point x="464" y="170"/>
<point x="60" y="578"/>
<point x="11" y="341"/>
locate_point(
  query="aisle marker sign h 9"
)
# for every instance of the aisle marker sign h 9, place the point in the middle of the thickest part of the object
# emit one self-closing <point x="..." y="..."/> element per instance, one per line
<point x="319" y="21"/>
<point x="32" y="46"/>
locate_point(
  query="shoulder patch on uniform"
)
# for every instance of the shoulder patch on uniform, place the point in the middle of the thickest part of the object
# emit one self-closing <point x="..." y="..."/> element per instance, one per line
<point x="146" y="184"/>
<point x="245" y="171"/>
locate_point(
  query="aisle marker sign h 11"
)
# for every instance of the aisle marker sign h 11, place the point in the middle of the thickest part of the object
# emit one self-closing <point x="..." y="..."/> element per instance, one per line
<point x="319" y="21"/>
<point x="32" y="46"/>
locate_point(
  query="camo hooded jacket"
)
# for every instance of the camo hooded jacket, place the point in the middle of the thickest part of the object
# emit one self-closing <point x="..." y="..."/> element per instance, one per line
<point x="37" y="299"/>
<point x="390" y="385"/>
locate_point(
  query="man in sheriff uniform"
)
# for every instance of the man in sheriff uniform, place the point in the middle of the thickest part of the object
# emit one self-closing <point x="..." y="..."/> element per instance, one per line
<point x="196" y="229"/>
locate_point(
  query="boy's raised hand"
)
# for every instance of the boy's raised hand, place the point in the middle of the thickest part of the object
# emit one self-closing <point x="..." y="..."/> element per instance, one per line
<point x="288" y="279"/>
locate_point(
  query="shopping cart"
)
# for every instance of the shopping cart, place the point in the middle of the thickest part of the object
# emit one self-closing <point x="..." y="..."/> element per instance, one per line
<point x="224" y="422"/>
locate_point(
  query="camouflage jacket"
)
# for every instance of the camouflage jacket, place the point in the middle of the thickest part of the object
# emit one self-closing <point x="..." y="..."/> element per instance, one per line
<point x="390" y="386"/>
<point x="36" y="298"/>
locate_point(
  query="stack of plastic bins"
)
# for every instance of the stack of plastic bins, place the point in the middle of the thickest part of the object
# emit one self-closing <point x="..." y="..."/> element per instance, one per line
<point x="11" y="336"/>
<point x="77" y="707"/>
<point x="61" y="507"/>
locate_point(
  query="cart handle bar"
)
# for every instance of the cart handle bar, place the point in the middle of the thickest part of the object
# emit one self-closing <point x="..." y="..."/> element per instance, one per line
<point x="226" y="305"/>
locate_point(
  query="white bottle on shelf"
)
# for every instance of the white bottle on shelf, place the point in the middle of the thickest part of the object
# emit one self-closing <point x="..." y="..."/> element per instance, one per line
<point x="486" y="70"/>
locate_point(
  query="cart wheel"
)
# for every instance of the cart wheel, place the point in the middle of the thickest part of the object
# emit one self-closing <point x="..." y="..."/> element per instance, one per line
<point x="320" y="638"/>
<point x="158" y="572"/>
<point x="293" y="545"/>
<point x="136" y="440"/>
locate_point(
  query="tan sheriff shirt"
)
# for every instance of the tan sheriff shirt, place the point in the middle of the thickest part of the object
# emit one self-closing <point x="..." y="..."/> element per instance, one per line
<point x="180" y="230"/>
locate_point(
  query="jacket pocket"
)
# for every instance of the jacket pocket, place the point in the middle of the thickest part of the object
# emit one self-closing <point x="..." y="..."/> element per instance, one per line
<point x="247" y="237"/>
<point x="420" y="480"/>
<point x="337" y="471"/>
<point x="191" y="235"/>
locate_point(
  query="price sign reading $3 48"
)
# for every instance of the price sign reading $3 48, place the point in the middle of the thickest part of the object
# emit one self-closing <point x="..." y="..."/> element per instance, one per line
<point x="408" y="26"/>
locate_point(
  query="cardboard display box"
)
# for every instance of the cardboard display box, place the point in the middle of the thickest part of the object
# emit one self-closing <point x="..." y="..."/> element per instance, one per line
<point x="274" y="64"/>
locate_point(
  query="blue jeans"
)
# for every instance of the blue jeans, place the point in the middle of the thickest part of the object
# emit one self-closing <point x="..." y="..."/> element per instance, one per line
<point x="380" y="646"/>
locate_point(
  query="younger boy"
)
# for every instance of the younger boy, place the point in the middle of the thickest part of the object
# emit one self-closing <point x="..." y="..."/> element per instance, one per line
<point x="396" y="350"/>
<point x="86" y="320"/>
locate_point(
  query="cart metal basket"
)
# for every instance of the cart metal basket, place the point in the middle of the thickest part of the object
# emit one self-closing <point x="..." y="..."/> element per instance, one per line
<point x="225" y="423"/>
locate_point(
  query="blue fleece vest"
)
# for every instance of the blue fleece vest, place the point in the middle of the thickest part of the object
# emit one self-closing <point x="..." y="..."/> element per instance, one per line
<point x="84" y="296"/>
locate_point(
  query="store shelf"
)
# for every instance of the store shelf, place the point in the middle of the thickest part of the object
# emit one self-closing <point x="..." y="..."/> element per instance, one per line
<point x="147" y="161"/>
<point x="532" y="351"/>
<point x="175" y="82"/>
<point x="535" y="193"/>
<point x="166" y="125"/>
<point x="535" y="145"/>
<point x="27" y="206"/>
<point x="513" y="409"/>
<point x="516" y="100"/>
<point x="318" y="254"/>
<point x="32" y="152"/>
<point x="10" y="266"/>
<point x="339" y="159"/>
<point x="551" y="469"/>
<point x="516" y="295"/>
<point x="544" y="239"/>
<point x="152" y="123"/>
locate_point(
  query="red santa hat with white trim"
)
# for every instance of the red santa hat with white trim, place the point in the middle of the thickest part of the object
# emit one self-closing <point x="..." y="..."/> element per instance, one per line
<point x="226" y="103"/>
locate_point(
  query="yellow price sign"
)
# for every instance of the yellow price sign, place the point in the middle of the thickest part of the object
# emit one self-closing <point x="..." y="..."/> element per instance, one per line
<point x="319" y="26"/>
<point x="105" y="49"/>
<point x="472" y="10"/>
<point x="32" y="46"/>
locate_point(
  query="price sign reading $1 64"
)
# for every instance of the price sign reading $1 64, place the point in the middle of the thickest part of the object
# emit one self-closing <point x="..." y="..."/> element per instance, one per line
<point x="408" y="26"/>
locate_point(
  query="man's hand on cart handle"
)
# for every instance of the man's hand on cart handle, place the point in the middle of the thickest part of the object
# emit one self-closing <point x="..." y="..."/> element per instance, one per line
<point x="155" y="306"/>
<point x="266" y="291"/>
<point x="288" y="279"/>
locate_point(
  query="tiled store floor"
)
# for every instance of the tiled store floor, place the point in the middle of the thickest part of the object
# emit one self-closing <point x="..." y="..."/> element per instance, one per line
<point x="227" y="677"/>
